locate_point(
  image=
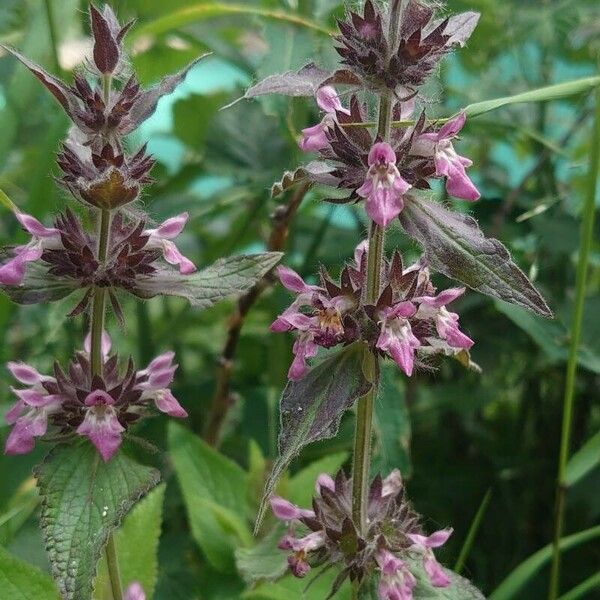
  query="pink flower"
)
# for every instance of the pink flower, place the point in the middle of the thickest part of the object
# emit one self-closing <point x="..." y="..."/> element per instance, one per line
<point x="101" y="424"/>
<point x="13" y="272"/>
<point x="154" y="382"/>
<point x="424" y="545"/>
<point x="105" y="345"/>
<point x="29" y="415"/>
<point x="134" y="592"/>
<point x="323" y="327"/>
<point x="315" y="138"/>
<point x="161" y="238"/>
<point x="396" y="337"/>
<point x="284" y="510"/>
<point x="433" y="307"/>
<point x="324" y="481"/>
<point x="396" y="581"/>
<point x="384" y="187"/>
<point x="448" y="163"/>
<point x="301" y="547"/>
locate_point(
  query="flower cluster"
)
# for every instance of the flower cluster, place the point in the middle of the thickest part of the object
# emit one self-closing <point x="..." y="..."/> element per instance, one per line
<point x="393" y="546"/>
<point x="95" y="398"/>
<point x="382" y="173"/>
<point x="409" y="322"/>
<point x="99" y="407"/>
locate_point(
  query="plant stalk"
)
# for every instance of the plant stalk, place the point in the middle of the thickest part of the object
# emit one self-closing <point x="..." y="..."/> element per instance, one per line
<point x="53" y="35"/>
<point x="113" y="568"/>
<point x="585" y="244"/>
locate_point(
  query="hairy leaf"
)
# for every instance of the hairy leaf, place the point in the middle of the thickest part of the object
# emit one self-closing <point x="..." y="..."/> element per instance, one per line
<point x="460" y="27"/>
<point x="21" y="581"/>
<point x="459" y="588"/>
<point x="312" y="407"/>
<point x="214" y="490"/>
<point x="38" y="286"/>
<point x="106" y="49"/>
<point x="83" y="500"/>
<point x="304" y="82"/>
<point x="455" y="246"/>
<point x="145" y="105"/>
<point x="136" y="542"/>
<point x="226" y="278"/>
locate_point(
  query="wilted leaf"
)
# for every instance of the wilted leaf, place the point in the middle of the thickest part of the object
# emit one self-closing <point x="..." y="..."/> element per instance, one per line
<point x="214" y="490"/>
<point x="455" y="246"/>
<point x="312" y="407"/>
<point x="21" y="581"/>
<point x="83" y="500"/>
<point x="226" y="278"/>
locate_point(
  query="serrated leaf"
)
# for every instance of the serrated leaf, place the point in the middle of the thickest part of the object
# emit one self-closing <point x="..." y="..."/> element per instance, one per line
<point x="214" y="491"/>
<point x="21" y="581"/>
<point x="303" y="82"/>
<point x="455" y="246"/>
<point x="311" y="408"/>
<point x="264" y="561"/>
<point x="39" y="286"/>
<point x="83" y="500"/>
<point x="136" y="542"/>
<point x="226" y="278"/>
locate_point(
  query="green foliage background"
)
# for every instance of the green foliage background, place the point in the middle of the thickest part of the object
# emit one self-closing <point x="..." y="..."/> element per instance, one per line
<point x="456" y="434"/>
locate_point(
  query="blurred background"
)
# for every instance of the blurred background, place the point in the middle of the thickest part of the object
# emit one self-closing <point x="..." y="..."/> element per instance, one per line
<point x="459" y="437"/>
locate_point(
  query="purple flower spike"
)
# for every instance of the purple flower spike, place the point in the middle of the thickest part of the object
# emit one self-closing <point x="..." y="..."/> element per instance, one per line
<point x="448" y="163"/>
<point x="101" y="424"/>
<point x="134" y="592"/>
<point x="315" y="138"/>
<point x="396" y="581"/>
<point x="384" y="186"/>
<point x="161" y="237"/>
<point x="424" y="544"/>
<point x="42" y="238"/>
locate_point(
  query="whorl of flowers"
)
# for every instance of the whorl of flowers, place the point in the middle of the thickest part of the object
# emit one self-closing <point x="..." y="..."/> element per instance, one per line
<point x="100" y="407"/>
<point x="409" y="322"/>
<point x="392" y="545"/>
<point x="123" y="251"/>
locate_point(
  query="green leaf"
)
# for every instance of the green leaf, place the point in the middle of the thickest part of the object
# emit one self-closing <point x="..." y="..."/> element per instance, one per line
<point x="392" y="426"/>
<point x="264" y="560"/>
<point x="290" y="587"/>
<point x="83" y="500"/>
<point x="137" y="546"/>
<point x="455" y="246"/>
<point x="519" y="577"/>
<point x="473" y="529"/>
<point x="312" y="407"/>
<point x="208" y="10"/>
<point x="580" y="591"/>
<point x="226" y="278"/>
<point x="301" y="487"/>
<point x="7" y="202"/>
<point x="543" y="94"/>
<point x="214" y="491"/>
<point x="459" y="588"/>
<point x="583" y="461"/>
<point x="20" y="581"/>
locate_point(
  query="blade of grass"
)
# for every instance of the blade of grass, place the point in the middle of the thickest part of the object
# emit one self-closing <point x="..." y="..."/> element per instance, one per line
<point x="511" y="586"/>
<point x="473" y="529"/>
<point x="584" y="460"/>
<point x="585" y="245"/>
<point x="205" y="11"/>
<point x="583" y="588"/>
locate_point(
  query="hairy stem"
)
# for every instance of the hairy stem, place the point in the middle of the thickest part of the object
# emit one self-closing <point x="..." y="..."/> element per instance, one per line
<point x="585" y="244"/>
<point x="223" y="399"/>
<point x="113" y="568"/>
<point x="364" y="412"/>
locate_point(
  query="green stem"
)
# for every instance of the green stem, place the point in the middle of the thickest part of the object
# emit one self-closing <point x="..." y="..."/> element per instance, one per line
<point x="364" y="412"/>
<point x="585" y="244"/>
<point x="112" y="563"/>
